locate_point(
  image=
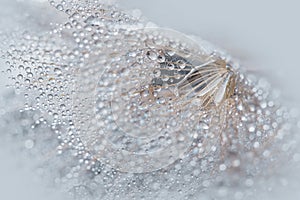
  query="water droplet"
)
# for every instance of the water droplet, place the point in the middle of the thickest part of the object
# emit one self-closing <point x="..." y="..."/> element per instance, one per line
<point x="20" y="76"/>
<point x="59" y="7"/>
<point x="156" y="73"/>
<point x="57" y="71"/>
<point x="152" y="55"/>
<point x="29" y="144"/>
<point x="222" y="167"/>
<point x="161" y="58"/>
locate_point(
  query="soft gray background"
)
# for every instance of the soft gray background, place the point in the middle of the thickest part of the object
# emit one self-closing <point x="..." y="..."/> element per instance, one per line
<point x="263" y="34"/>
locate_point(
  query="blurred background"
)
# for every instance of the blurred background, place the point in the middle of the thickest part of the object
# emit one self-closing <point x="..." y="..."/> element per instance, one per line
<point x="264" y="35"/>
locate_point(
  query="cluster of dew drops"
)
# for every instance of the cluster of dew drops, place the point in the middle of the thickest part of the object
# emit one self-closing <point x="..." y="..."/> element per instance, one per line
<point x="42" y="68"/>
